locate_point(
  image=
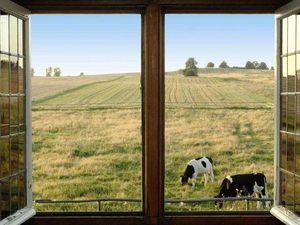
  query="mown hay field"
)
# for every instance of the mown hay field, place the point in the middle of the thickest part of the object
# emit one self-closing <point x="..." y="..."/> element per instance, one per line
<point x="87" y="138"/>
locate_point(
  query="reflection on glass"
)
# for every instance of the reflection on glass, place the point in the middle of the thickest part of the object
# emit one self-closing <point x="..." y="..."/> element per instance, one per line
<point x="291" y="113"/>
<point x="4" y="116"/>
<point x="291" y="73"/>
<point x="287" y="190"/>
<point x="284" y="74"/>
<point x="14" y="188"/>
<point x="21" y="152"/>
<point x="13" y="75"/>
<point x="22" y="190"/>
<point x="283" y="102"/>
<point x="14" y="116"/>
<point x="21" y="114"/>
<point x="290" y="153"/>
<point x="4" y="74"/>
<point x="298" y="71"/>
<point x="4" y="32"/>
<point x="5" y="198"/>
<point x="14" y="154"/>
<point x="284" y="36"/>
<point x="20" y="36"/>
<point x="297" y="156"/>
<point x="21" y="75"/>
<point x="13" y="34"/>
<point x="291" y="34"/>
<point x="4" y="153"/>
<point x="297" y="196"/>
<point x="283" y="146"/>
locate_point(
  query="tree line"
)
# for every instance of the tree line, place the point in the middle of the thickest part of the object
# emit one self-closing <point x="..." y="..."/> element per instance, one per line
<point x="191" y="68"/>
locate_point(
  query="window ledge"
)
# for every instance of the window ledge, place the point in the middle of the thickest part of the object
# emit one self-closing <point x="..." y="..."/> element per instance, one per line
<point x="18" y="217"/>
<point x="285" y="216"/>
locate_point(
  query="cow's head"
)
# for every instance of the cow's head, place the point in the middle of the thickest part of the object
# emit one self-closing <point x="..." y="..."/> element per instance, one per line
<point x="226" y="190"/>
<point x="188" y="173"/>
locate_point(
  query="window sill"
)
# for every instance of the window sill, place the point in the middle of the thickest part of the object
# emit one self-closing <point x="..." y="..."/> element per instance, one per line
<point x="19" y="217"/>
<point x="285" y="215"/>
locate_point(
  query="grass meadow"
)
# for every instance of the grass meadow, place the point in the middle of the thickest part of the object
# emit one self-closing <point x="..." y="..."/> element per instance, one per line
<point x="87" y="139"/>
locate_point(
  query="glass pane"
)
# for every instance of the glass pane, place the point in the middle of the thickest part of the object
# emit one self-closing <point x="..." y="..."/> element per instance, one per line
<point x="291" y="113"/>
<point x="21" y="76"/>
<point x="287" y="190"/>
<point x="297" y="156"/>
<point x="14" y="115"/>
<point x="298" y="33"/>
<point x="13" y="75"/>
<point x="298" y="71"/>
<point x="284" y="36"/>
<point x="4" y="33"/>
<point x="20" y="36"/>
<point x="4" y="116"/>
<point x="22" y="190"/>
<point x="283" y="111"/>
<point x="14" y="188"/>
<point x="297" y="114"/>
<point x="291" y="73"/>
<point x="21" y="114"/>
<point x="284" y="71"/>
<point x="21" y="152"/>
<point x="297" y="195"/>
<point x="4" y="156"/>
<point x="5" y="198"/>
<point x="13" y="34"/>
<point x="291" y="34"/>
<point x="290" y="153"/>
<point x="4" y="74"/>
<point x="283" y="150"/>
<point x="14" y="154"/>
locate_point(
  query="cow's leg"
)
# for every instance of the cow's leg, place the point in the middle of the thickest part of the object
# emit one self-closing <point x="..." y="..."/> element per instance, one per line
<point x="259" y="203"/>
<point x="193" y="183"/>
<point x="212" y="174"/>
<point x="205" y="178"/>
<point x="265" y="196"/>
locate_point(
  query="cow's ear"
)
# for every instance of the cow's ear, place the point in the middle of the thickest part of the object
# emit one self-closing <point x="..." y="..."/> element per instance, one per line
<point x="227" y="184"/>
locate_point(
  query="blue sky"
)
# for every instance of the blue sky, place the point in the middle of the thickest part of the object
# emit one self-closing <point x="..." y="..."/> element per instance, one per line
<point x="99" y="44"/>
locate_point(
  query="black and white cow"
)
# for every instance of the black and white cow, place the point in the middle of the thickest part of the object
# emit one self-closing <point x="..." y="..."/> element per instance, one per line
<point x="244" y="185"/>
<point x="202" y="165"/>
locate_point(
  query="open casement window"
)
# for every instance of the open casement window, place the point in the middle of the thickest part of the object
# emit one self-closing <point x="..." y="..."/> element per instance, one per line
<point x="15" y="123"/>
<point x="287" y="160"/>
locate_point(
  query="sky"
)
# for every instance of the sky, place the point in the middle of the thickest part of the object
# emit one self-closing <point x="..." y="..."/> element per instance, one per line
<point x="101" y="44"/>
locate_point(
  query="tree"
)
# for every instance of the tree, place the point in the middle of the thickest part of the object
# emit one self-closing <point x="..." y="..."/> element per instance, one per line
<point x="256" y="64"/>
<point x="190" y="67"/>
<point x="210" y="65"/>
<point x="49" y="72"/>
<point x="272" y="68"/>
<point x="81" y="74"/>
<point x="57" y="72"/>
<point x="223" y="65"/>
<point x="263" y="66"/>
<point x="249" y="65"/>
<point x="32" y="72"/>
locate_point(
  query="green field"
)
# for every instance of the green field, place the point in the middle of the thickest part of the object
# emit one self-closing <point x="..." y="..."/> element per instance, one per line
<point x="88" y="131"/>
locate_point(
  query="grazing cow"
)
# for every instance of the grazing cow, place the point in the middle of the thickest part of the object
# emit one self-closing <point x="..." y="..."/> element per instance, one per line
<point x="202" y="165"/>
<point x="244" y="185"/>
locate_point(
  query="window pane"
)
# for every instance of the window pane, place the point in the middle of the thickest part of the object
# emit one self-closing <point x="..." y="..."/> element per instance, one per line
<point x="4" y="116"/>
<point x="284" y="71"/>
<point x="298" y="71"/>
<point x="21" y="76"/>
<point x="297" y="195"/>
<point x="291" y="34"/>
<point x="283" y="150"/>
<point x="21" y="114"/>
<point x="14" y="154"/>
<point x="13" y="75"/>
<point x="298" y="33"/>
<point x="20" y="36"/>
<point x="4" y="74"/>
<point x="5" y="198"/>
<point x="4" y="32"/>
<point x="283" y="111"/>
<point x="13" y="34"/>
<point x="291" y="113"/>
<point x="21" y="152"/>
<point x="290" y="153"/>
<point x="284" y="36"/>
<point x="14" y="190"/>
<point x="22" y="190"/>
<point x="287" y="190"/>
<point x="4" y="157"/>
<point x="14" y="116"/>
<point x="297" y="156"/>
<point x="291" y="73"/>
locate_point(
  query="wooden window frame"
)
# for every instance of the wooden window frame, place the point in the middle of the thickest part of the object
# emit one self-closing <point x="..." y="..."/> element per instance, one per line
<point x="153" y="110"/>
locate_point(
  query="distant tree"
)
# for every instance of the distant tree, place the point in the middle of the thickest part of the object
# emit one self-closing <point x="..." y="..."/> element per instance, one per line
<point x="210" y="65"/>
<point x="32" y="72"/>
<point x="272" y="68"/>
<point x="190" y="67"/>
<point x="57" y="72"/>
<point x="262" y="66"/>
<point x="223" y="65"/>
<point x="49" y="72"/>
<point x="81" y="74"/>
<point x="249" y="65"/>
<point x="256" y="64"/>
